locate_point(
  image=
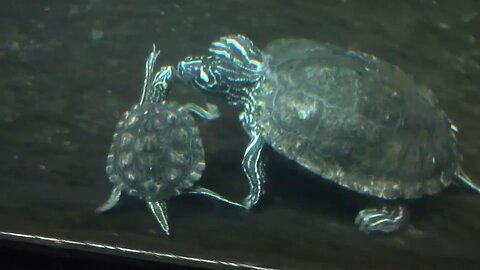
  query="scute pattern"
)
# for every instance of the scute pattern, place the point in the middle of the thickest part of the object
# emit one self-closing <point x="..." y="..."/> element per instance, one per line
<point x="355" y="120"/>
<point x="156" y="152"/>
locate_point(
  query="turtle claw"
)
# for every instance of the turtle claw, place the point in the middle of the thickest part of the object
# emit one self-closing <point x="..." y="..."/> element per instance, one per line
<point x="210" y="113"/>
<point x="213" y="110"/>
<point x="249" y="202"/>
<point x="384" y="220"/>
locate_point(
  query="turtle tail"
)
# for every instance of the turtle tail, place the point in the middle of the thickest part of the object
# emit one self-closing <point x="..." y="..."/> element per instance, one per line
<point x="463" y="177"/>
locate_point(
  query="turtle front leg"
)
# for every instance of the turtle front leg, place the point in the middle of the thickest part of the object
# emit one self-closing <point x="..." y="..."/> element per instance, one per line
<point x="253" y="166"/>
<point x="210" y="113"/>
<point x="384" y="220"/>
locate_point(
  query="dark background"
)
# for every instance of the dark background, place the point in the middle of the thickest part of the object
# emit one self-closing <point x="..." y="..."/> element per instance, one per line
<point x="68" y="69"/>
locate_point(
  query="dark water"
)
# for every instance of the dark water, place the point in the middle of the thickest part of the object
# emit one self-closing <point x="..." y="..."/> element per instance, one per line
<point x="68" y="69"/>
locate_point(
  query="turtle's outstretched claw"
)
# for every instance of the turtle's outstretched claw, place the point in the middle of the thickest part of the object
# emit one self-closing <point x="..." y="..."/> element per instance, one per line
<point x="384" y="220"/>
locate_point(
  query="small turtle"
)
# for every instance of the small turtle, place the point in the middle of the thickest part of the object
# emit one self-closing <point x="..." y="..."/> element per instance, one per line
<point x="344" y="115"/>
<point x="156" y="151"/>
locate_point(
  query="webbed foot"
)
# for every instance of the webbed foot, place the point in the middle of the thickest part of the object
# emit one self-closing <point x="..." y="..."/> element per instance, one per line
<point x="384" y="220"/>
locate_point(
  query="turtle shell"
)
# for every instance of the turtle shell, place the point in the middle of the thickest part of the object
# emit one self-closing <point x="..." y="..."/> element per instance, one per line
<point x="156" y="152"/>
<point x="355" y="120"/>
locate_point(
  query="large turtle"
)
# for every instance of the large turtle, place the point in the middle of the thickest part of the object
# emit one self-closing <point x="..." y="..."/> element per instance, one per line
<point x="344" y="115"/>
<point x="156" y="151"/>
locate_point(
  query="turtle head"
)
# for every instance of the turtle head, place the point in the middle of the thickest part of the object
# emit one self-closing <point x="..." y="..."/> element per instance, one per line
<point x="202" y="72"/>
<point x="233" y="67"/>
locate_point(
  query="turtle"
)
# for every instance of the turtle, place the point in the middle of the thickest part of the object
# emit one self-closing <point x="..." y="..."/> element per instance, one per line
<point x="157" y="152"/>
<point x="344" y="115"/>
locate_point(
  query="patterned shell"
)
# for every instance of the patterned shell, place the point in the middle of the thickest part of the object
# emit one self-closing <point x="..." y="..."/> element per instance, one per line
<point x="156" y="151"/>
<point x="355" y="120"/>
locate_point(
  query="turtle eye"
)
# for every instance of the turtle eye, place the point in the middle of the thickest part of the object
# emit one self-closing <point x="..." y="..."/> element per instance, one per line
<point x="189" y="67"/>
<point x="201" y="72"/>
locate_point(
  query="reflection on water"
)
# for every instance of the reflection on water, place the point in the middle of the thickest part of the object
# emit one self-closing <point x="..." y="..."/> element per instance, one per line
<point x="69" y="70"/>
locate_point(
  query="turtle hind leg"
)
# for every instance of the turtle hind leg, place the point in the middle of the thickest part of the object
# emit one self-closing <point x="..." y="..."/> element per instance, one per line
<point x="111" y="201"/>
<point x="387" y="219"/>
<point x="463" y="177"/>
